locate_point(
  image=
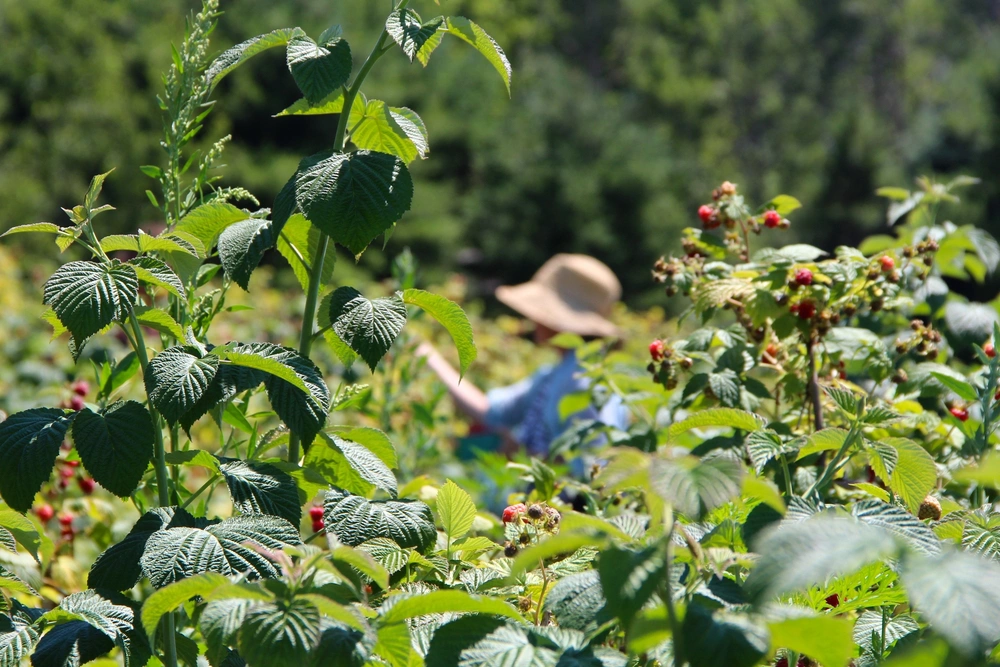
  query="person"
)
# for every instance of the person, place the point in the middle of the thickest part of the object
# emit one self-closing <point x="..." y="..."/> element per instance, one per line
<point x="569" y="293"/>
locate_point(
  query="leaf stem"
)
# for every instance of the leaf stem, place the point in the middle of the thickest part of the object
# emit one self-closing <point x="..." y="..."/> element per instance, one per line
<point x="817" y="403"/>
<point x="831" y="468"/>
<point x="541" y="594"/>
<point x="668" y="600"/>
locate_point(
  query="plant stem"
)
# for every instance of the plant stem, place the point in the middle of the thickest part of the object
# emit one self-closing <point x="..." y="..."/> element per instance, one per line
<point x="541" y="594"/>
<point x="788" y="476"/>
<point x="831" y="468"/>
<point x="817" y="403"/>
<point x="668" y="600"/>
<point x="316" y="275"/>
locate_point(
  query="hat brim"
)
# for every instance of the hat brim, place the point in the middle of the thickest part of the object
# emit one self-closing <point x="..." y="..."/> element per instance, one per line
<point x="540" y="304"/>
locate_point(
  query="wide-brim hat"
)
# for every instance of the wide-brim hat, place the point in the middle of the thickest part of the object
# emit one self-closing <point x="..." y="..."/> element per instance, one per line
<point x="571" y="293"/>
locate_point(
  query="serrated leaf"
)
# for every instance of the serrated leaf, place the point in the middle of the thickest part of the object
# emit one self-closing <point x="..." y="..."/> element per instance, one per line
<point x="261" y="488"/>
<point x="899" y="522"/>
<point x="725" y="385"/>
<point x="169" y="598"/>
<point x="963" y="390"/>
<point x="369" y="327"/>
<point x="870" y="622"/>
<point x="372" y="438"/>
<point x="350" y="465"/>
<point x="576" y="601"/>
<point x="381" y="129"/>
<point x="452" y="318"/>
<point x="22" y="530"/>
<point x="207" y="221"/>
<point x="114" y="621"/>
<point x="739" y="419"/>
<point x="629" y="578"/>
<point x="471" y="33"/>
<point x="220" y="623"/>
<point x="44" y="227"/>
<point x="481" y="641"/>
<point x="299" y="243"/>
<point x="695" y="487"/>
<point x="279" y="634"/>
<point x="722" y="639"/>
<point x="159" y="320"/>
<point x="87" y="297"/>
<point x="386" y="553"/>
<point x="456" y="510"/>
<point x="242" y="245"/>
<point x="177" y="378"/>
<point x="763" y="446"/>
<point x="442" y="601"/>
<point x="142" y="243"/>
<point x="354" y="520"/>
<point x="153" y="271"/>
<point x="267" y="358"/>
<point x="331" y="104"/>
<point x="229" y="380"/>
<point x="959" y="595"/>
<point x="914" y="474"/>
<point x="29" y="445"/>
<point x="407" y="30"/>
<point x="239" y="54"/>
<point x="17" y="642"/>
<point x="318" y="70"/>
<point x="845" y="399"/>
<point x="828" y="439"/>
<point x="115" y="445"/>
<point x="118" y="567"/>
<point x="353" y="197"/>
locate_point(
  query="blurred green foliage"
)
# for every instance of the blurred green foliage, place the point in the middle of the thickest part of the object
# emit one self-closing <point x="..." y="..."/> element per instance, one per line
<point x="624" y="111"/>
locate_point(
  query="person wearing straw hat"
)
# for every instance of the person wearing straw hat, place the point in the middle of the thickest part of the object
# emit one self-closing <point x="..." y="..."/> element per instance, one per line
<point x="569" y="293"/>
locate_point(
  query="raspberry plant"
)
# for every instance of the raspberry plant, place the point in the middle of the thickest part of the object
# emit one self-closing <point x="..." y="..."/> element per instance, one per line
<point x="809" y="477"/>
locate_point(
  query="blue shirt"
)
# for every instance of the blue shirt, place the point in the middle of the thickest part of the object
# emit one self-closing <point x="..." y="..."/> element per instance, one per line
<point x="530" y="408"/>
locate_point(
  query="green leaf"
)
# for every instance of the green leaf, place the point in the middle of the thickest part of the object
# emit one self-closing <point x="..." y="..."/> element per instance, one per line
<point x="155" y="272"/>
<point x="229" y="380"/>
<point x="452" y="318"/>
<point x="764" y="446"/>
<point x="577" y="600"/>
<point x="442" y="601"/>
<point x="870" y="622"/>
<point x="331" y="104"/>
<point x="385" y="130"/>
<point x="738" y="419"/>
<point x="350" y="465"/>
<point x="964" y="390"/>
<point x="696" y="487"/>
<point x="796" y="555"/>
<point x="986" y="472"/>
<point x="363" y="562"/>
<point x="899" y="522"/>
<point x="826" y="639"/>
<point x="159" y="320"/>
<point x="914" y="474"/>
<point x="265" y="357"/>
<point x="406" y="29"/>
<point x="369" y="327"/>
<point x="87" y="297"/>
<point x="22" y="530"/>
<point x="471" y="33"/>
<point x="239" y="54"/>
<point x="353" y="519"/>
<point x="207" y="221"/>
<point x="563" y="543"/>
<point x="220" y="623"/>
<point x="115" y="445"/>
<point x="29" y="445"/>
<point x="142" y="242"/>
<point x="44" y="227"/>
<point x="353" y="197"/>
<point x="318" y="70"/>
<point x="372" y="438"/>
<point x="169" y="598"/>
<point x="959" y="595"/>
<point x="177" y="378"/>
<point x="783" y="204"/>
<point x="629" y="578"/>
<point x="829" y="439"/>
<point x="227" y="548"/>
<point x="260" y="488"/>
<point x="722" y="639"/>
<point x="386" y="553"/>
<point x="17" y="640"/>
<point x="299" y="243"/>
<point x="242" y="245"/>
<point x="456" y="510"/>
<point x="280" y="634"/>
<point x="481" y="641"/>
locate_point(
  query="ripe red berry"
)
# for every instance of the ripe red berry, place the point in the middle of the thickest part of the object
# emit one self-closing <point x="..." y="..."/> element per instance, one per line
<point x="67" y="472"/>
<point x="72" y="463"/>
<point x="990" y="350"/>
<point x="806" y="310"/>
<point x="706" y="213"/>
<point x="794" y="308"/>
<point x="66" y="519"/>
<point x="771" y="350"/>
<point x="315" y="513"/>
<point x="76" y="403"/>
<point x="656" y="350"/>
<point x="45" y="513"/>
<point x="833" y="600"/>
<point x="318" y="525"/>
<point x="888" y="263"/>
<point x="67" y="533"/>
<point x="772" y="219"/>
<point x="86" y="485"/>
<point x="81" y="388"/>
<point x="961" y="414"/>
<point x="804" y="277"/>
<point x="512" y="512"/>
<point x="782" y="662"/>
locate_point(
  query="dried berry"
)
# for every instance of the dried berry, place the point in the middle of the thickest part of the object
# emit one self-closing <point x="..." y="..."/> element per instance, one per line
<point x="524" y="538"/>
<point x="536" y="512"/>
<point x="509" y="550"/>
<point x="930" y="508"/>
<point x="727" y="188"/>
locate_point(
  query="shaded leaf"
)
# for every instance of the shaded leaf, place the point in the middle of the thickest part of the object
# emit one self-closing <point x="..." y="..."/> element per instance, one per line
<point x="115" y="445"/>
<point x="29" y="445"/>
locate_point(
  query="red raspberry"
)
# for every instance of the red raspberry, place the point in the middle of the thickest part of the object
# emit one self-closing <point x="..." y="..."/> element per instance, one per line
<point x="772" y="219"/>
<point x="706" y="213"/>
<point x="511" y="513"/>
<point x="888" y="263"/>
<point x="316" y="513"/>
<point x="990" y="350"/>
<point x="67" y="533"/>
<point x="961" y="414"/>
<point x="794" y="309"/>
<point x="45" y="513"/>
<point x="656" y="350"/>
<point x="66" y="519"/>
<point x="72" y="463"/>
<point x="81" y="388"/>
<point x="76" y="403"/>
<point x="67" y="472"/>
<point x="833" y="600"/>
<point x="771" y="350"/>
<point x="803" y="277"/>
<point x="318" y="525"/>
<point x="806" y="310"/>
<point x="86" y="485"/>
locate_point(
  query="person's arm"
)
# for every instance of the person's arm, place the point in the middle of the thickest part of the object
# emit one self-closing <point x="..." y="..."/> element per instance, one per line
<point x="469" y="398"/>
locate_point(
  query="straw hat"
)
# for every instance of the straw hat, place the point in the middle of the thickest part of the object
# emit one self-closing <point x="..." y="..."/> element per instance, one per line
<point x="571" y="293"/>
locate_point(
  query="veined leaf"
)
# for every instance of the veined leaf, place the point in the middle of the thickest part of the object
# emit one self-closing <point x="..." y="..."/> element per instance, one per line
<point x="350" y="465"/>
<point x="29" y="445"/>
<point x="265" y="357"/>
<point x="382" y="129"/>
<point x="353" y="197"/>
<point x="87" y="297"/>
<point x="177" y="378"/>
<point x="914" y="474"/>
<point x="739" y="419"/>
<point x="899" y="522"/>
<point x="363" y="562"/>
<point x="452" y="318"/>
<point x="17" y="641"/>
<point x="407" y="30"/>
<point x="22" y="530"/>
<point x="44" y="227"/>
<point x="280" y="634"/>
<point x="142" y="242"/>
<point x="354" y="520"/>
<point x="481" y="641"/>
<point x="471" y="33"/>
<point x="239" y="54"/>
<point x="824" y="638"/>
<point x="153" y="271"/>
<point x="261" y="488"/>
<point x="299" y="243"/>
<point x="159" y="320"/>
<point x="456" y="510"/>
<point x="629" y="578"/>
<point x="576" y="601"/>
<point x="443" y="601"/>
<point x="171" y="597"/>
<point x="870" y="622"/>
<point x="369" y="327"/>
<point x="372" y="438"/>
<point x="964" y="390"/>
<point x="695" y="487"/>
<point x="318" y="70"/>
<point x="722" y="639"/>
<point x="206" y="222"/>
<point x="115" y="445"/>
<point x="242" y="245"/>
<point x="331" y="104"/>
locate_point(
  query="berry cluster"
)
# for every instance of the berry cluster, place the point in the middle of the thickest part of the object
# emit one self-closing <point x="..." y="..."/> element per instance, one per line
<point x="526" y="524"/>
<point x="316" y="514"/>
<point x="664" y="366"/>
<point x="922" y="343"/>
<point x="78" y="391"/>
